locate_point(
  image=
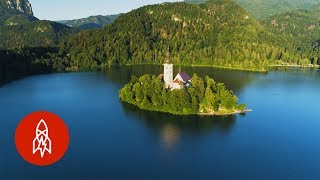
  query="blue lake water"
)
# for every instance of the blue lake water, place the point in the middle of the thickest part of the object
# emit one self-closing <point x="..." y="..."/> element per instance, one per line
<point x="280" y="139"/>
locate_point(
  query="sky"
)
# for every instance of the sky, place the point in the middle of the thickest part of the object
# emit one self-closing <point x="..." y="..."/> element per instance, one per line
<point x="75" y="9"/>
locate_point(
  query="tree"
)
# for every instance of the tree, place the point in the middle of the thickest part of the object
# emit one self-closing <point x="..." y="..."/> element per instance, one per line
<point x="315" y="61"/>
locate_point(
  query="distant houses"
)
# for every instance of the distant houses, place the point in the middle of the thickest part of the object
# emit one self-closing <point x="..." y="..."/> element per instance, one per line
<point x="181" y="80"/>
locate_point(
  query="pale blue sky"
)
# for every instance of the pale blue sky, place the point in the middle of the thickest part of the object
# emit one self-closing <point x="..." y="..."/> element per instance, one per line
<point x="74" y="9"/>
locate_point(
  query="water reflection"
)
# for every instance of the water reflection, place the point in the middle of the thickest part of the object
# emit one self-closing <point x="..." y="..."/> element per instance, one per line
<point x="170" y="136"/>
<point x="171" y="127"/>
<point x="192" y="124"/>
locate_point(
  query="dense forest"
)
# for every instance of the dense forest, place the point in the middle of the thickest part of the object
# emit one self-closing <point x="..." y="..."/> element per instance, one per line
<point x="27" y="45"/>
<point x="19" y="29"/>
<point x="22" y="62"/>
<point x="33" y="34"/>
<point x="216" y="33"/>
<point x="303" y="26"/>
<point x="262" y="9"/>
<point x="204" y="96"/>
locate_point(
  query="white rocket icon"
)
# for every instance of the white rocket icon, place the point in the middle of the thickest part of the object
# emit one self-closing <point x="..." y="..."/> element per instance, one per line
<point x="42" y="142"/>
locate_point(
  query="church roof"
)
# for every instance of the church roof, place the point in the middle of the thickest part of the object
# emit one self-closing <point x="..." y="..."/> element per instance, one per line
<point x="185" y="76"/>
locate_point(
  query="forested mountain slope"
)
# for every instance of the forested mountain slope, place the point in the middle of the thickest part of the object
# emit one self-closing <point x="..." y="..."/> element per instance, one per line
<point x="218" y="32"/>
<point x="262" y="9"/>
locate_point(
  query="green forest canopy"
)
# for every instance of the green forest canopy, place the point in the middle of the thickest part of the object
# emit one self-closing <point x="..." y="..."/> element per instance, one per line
<point x="217" y="33"/>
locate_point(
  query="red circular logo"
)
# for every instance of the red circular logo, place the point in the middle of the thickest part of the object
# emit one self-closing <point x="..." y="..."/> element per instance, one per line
<point x="42" y="138"/>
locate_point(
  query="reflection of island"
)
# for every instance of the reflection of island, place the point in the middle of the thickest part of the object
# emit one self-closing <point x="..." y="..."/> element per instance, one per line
<point x="171" y="127"/>
<point x="170" y="135"/>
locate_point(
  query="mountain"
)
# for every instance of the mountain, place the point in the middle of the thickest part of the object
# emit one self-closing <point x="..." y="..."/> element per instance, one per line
<point x="92" y="22"/>
<point x="22" y="6"/>
<point x="15" y="12"/>
<point x="218" y="32"/>
<point x="262" y="9"/>
<point x="19" y="28"/>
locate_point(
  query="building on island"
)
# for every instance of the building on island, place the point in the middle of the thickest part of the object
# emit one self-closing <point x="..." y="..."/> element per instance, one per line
<point x="181" y="80"/>
<point x="168" y="71"/>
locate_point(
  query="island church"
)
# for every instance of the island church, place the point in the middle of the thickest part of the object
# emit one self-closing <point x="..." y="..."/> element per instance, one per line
<point x="180" y="81"/>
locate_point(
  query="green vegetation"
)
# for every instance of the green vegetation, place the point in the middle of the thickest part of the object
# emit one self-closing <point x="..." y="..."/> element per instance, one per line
<point x="33" y="34"/>
<point x="24" y="12"/>
<point x="19" y="29"/>
<point x="22" y="62"/>
<point x="92" y="22"/>
<point x="262" y="9"/>
<point x="28" y="46"/>
<point x="303" y="27"/>
<point x="217" y="33"/>
<point x="204" y="96"/>
<point x="205" y="34"/>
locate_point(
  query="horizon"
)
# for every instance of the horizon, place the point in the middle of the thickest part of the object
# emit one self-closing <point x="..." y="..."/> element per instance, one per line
<point x="47" y="10"/>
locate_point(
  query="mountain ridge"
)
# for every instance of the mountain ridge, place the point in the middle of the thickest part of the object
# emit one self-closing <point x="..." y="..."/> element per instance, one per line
<point x="91" y="22"/>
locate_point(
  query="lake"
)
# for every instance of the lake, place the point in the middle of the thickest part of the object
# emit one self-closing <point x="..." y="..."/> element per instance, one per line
<point x="280" y="139"/>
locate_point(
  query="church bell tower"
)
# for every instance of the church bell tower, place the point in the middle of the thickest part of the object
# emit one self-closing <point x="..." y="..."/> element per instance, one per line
<point x="168" y="71"/>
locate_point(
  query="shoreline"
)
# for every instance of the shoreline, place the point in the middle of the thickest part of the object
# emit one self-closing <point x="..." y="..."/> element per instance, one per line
<point x="212" y="66"/>
<point x="225" y="114"/>
<point x="231" y="68"/>
<point x="295" y="65"/>
<point x="234" y="68"/>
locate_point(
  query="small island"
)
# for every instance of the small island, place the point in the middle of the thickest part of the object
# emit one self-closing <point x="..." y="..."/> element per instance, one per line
<point x="182" y="95"/>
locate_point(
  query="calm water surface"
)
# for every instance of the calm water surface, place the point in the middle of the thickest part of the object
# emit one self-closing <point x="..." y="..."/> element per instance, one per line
<point x="280" y="139"/>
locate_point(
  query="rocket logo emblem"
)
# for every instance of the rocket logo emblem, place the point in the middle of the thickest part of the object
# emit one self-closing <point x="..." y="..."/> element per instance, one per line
<point x="42" y="142"/>
<point x="42" y="138"/>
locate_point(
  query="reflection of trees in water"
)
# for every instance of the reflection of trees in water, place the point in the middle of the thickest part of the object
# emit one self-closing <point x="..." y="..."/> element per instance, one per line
<point x="235" y="80"/>
<point x="122" y="75"/>
<point x="171" y="127"/>
<point x="192" y="124"/>
<point x="16" y="64"/>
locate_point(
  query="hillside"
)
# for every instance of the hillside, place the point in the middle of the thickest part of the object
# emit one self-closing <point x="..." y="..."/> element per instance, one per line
<point x="27" y="44"/>
<point x="195" y="1"/>
<point x="302" y="25"/>
<point x="19" y="28"/>
<point x="262" y="9"/>
<point x="218" y="32"/>
<point x="33" y="34"/>
<point x="22" y="6"/>
<point x="92" y="22"/>
<point x="13" y="12"/>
